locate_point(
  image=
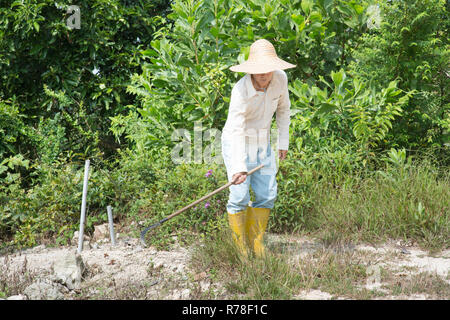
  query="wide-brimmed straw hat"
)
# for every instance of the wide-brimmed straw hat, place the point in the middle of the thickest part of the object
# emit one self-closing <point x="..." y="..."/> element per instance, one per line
<point x="262" y="59"/>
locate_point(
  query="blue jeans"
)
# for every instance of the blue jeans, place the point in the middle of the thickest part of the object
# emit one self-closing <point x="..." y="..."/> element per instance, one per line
<point x="263" y="182"/>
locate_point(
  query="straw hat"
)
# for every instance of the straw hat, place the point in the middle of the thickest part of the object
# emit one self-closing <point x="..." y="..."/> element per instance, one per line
<point x="262" y="59"/>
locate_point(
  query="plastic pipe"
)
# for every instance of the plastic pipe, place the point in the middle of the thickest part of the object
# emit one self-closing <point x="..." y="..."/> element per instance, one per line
<point x="83" y="206"/>
<point x="111" y="226"/>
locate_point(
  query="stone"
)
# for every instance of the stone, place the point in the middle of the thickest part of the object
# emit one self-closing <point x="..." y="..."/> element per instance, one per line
<point x="101" y="232"/>
<point x="44" y="290"/>
<point x="69" y="270"/>
<point x="76" y="236"/>
<point x="86" y="245"/>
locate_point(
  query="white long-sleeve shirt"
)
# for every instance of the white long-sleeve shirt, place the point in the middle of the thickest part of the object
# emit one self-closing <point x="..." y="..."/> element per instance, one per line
<point x="250" y="117"/>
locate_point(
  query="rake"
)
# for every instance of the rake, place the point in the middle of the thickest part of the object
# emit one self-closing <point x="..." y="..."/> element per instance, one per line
<point x="160" y="222"/>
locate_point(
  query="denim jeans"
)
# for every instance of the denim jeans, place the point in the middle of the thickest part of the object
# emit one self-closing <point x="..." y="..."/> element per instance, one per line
<point x="263" y="182"/>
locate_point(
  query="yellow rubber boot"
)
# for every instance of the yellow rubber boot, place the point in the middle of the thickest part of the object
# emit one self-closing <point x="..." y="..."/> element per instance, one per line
<point x="256" y="225"/>
<point x="237" y="222"/>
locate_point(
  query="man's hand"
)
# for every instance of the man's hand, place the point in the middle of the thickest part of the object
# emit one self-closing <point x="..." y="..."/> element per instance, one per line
<point x="239" y="177"/>
<point x="282" y="154"/>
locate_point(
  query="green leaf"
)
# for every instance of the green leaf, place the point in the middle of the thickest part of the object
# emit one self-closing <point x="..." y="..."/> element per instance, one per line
<point x="267" y="9"/>
<point x="316" y="16"/>
<point x="214" y="31"/>
<point x="327" y="4"/>
<point x="16" y="3"/>
<point x="189" y="108"/>
<point x="306" y="6"/>
<point x="36" y="26"/>
<point x="250" y="33"/>
<point x="298" y="19"/>
<point x="149" y="53"/>
<point x="338" y="77"/>
<point x="325" y="108"/>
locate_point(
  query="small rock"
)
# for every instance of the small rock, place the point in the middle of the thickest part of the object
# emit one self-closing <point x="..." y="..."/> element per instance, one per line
<point x="100" y="232"/>
<point x="158" y="264"/>
<point x="185" y="294"/>
<point x="68" y="271"/>
<point x="75" y="237"/>
<point x="86" y="245"/>
<point x="45" y="290"/>
<point x="404" y="251"/>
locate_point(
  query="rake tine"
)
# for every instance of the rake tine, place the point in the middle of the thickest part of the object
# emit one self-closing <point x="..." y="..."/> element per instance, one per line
<point x="144" y="232"/>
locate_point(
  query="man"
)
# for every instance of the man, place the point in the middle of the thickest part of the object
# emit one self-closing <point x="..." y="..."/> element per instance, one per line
<point x="262" y="92"/>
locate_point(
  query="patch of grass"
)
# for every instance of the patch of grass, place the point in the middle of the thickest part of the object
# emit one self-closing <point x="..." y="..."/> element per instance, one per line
<point x="338" y="273"/>
<point x="429" y="284"/>
<point x="280" y="276"/>
<point x="410" y="203"/>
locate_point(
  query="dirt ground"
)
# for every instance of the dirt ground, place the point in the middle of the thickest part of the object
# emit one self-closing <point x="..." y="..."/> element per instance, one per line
<point x="131" y="271"/>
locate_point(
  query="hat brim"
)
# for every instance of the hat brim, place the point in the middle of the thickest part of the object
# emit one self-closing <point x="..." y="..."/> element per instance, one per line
<point x="256" y="67"/>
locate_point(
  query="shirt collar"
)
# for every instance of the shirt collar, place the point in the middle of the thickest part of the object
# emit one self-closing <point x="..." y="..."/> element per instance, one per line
<point x="251" y="91"/>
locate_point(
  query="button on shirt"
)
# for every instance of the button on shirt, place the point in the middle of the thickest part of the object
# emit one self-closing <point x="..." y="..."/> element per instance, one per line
<point x="250" y="117"/>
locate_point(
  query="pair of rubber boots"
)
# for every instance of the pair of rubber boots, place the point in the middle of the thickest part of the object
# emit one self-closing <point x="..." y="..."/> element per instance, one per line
<point x="248" y="228"/>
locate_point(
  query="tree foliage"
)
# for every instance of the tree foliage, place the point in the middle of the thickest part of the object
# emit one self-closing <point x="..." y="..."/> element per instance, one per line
<point x="42" y="59"/>
<point x="412" y="47"/>
<point x="186" y="78"/>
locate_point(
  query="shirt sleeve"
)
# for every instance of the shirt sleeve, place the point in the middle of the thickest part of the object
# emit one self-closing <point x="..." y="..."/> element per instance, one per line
<point x="237" y="113"/>
<point x="283" y="115"/>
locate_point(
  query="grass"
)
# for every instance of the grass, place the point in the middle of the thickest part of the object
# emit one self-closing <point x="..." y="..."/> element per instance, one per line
<point x="277" y="276"/>
<point x="411" y="203"/>
<point x="339" y="272"/>
<point x="424" y="283"/>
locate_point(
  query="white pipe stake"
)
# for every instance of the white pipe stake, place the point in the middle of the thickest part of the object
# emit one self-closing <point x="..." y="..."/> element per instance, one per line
<point x="83" y="206"/>
<point x="111" y="226"/>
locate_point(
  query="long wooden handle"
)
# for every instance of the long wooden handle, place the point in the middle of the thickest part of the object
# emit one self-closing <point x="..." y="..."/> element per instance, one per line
<point x="143" y="233"/>
<point x="210" y="194"/>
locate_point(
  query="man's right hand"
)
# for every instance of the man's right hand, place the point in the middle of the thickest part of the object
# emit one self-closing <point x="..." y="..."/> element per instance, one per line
<point x="239" y="177"/>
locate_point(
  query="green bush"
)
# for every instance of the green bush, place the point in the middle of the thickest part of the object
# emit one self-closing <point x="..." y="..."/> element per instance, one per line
<point x="140" y="187"/>
<point x="346" y="122"/>
<point x="42" y="59"/>
<point x="186" y="78"/>
<point x="411" y="47"/>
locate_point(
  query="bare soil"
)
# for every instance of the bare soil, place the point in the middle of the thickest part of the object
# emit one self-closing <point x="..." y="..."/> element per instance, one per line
<point x="131" y="271"/>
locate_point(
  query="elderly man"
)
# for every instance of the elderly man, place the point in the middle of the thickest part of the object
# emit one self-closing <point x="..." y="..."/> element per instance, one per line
<point x="262" y="92"/>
